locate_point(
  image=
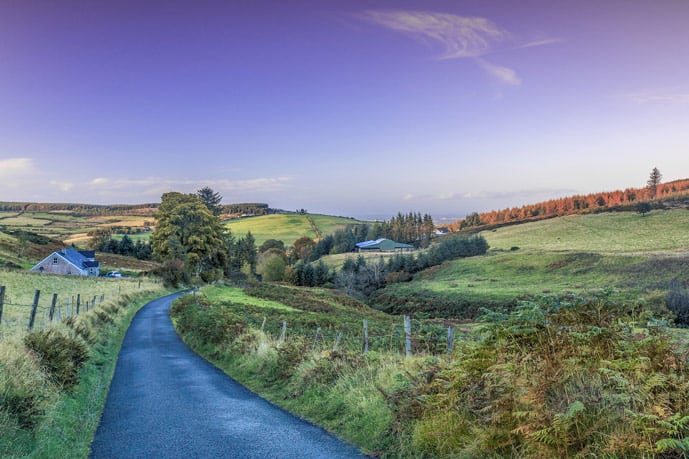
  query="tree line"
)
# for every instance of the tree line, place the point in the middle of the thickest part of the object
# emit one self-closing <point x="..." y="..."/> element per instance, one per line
<point x="627" y="199"/>
<point x="411" y="228"/>
<point x="193" y="245"/>
<point x="360" y="277"/>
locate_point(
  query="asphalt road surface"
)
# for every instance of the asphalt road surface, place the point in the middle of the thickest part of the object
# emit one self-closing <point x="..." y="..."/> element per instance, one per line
<point x="167" y="402"/>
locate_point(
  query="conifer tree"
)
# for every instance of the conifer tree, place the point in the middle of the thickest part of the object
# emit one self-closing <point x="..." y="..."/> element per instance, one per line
<point x="653" y="182"/>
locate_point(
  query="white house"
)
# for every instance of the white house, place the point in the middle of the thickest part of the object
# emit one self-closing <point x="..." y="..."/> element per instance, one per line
<point x="70" y="261"/>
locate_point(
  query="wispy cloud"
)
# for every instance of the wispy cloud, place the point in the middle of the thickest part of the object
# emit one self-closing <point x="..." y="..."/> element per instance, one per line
<point x="502" y="74"/>
<point x="657" y="97"/>
<point x="457" y="37"/>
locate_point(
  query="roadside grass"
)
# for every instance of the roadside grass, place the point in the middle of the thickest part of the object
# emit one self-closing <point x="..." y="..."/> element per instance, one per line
<point x="221" y="294"/>
<point x="54" y="420"/>
<point x="578" y="379"/>
<point x="337" y="389"/>
<point x="286" y="227"/>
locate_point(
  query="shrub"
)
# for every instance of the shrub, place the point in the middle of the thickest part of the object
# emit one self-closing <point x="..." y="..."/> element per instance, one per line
<point x="207" y="323"/>
<point x="81" y="329"/>
<point x="558" y="380"/>
<point x="24" y="388"/>
<point x="677" y="301"/>
<point x="60" y="355"/>
<point x="291" y="353"/>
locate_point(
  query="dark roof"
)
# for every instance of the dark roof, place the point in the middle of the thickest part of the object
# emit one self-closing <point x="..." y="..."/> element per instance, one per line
<point x="78" y="259"/>
<point x="88" y="253"/>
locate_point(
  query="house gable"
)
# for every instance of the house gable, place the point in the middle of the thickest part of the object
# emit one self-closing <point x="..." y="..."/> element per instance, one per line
<point x="69" y="262"/>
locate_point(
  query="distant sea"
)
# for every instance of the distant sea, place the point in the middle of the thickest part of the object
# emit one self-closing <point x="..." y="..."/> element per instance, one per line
<point x="437" y="219"/>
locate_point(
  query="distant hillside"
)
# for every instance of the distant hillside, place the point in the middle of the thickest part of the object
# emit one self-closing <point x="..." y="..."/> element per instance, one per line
<point x="671" y="193"/>
<point x="288" y="227"/>
<point x="98" y="210"/>
<point x="638" y="255"/>
<point x="85" y="210"/>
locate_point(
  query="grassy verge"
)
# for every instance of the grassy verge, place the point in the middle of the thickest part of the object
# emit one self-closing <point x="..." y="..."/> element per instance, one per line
<point x="554" y="379"/>
<point x="65" y="418"/>
<point x="342" y="390"/>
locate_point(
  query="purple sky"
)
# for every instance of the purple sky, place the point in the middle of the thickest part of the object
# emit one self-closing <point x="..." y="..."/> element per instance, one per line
<point x="344" y="107"/>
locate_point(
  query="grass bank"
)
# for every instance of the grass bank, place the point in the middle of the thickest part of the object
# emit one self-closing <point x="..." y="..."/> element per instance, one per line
<point x="583" y="378"/>
<point x="42" y="414"/>
<point x="318" y="370"/>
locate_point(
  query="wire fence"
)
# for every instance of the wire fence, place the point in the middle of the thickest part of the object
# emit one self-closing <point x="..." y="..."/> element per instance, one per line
<point x="408" y="336"/>
<point x="43" y="310"/>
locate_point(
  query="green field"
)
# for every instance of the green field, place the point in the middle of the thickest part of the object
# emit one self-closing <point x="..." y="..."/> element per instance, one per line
<point x="637" y="255"/>
<point x="20" y="287"/>
<point x="287" y="227"/>
<point x="660" y="231"/>
<point x="67" y="228"/>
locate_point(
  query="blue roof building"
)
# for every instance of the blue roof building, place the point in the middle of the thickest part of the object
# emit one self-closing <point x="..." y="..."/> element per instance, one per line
<point x="383" y="245"/>
<point x="70" y="261"/>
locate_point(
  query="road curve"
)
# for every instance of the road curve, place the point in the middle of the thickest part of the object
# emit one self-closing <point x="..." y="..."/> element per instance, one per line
<point x="167" y="402"/>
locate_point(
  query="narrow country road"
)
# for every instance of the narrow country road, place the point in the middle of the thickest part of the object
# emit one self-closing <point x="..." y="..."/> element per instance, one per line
<point x="167" y="402"/>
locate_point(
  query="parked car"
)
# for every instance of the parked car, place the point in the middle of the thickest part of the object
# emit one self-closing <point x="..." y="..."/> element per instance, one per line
<point x="114" y="274"/>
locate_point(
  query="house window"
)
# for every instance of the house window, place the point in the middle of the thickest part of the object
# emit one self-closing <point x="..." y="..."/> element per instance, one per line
<point x="54" y="260"/>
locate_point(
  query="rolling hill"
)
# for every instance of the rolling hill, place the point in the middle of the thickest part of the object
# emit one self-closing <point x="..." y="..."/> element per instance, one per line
<point x="636" y="255"/>
<point x="288" y="227"/>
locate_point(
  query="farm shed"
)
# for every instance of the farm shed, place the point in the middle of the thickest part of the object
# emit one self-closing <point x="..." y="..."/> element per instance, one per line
<point x="71" y="262"/>
<point x="383" y="245"/>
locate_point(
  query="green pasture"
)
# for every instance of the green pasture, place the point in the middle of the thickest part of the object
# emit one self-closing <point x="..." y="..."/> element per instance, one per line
<point x="63" y="227"/>
<point x="144" y="236"/>
<point x="20" y="287"/>
<point x="222" y="294"/>
<point x="636" y="255"/>
<point x="336" y="261"/>
<point x="286" y="227"/>
<point x="619" y="232"/>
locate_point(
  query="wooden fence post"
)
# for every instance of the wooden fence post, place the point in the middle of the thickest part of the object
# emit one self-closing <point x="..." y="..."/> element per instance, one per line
<point x="2" y="300"/>
<point x="52" y="307"/>
<point x="93" y="303"/>
<point x="407" y="336"/>
<point x="263" y="324"/>
<point x="337" y="341"/>
<point x="365" y="344"/>
<point x="450" y="338"/>
<point x="78" y="302"/>
<point x="315" y="339"/>
<point x="284" y="330"/>
<point x="34" y="307"/>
